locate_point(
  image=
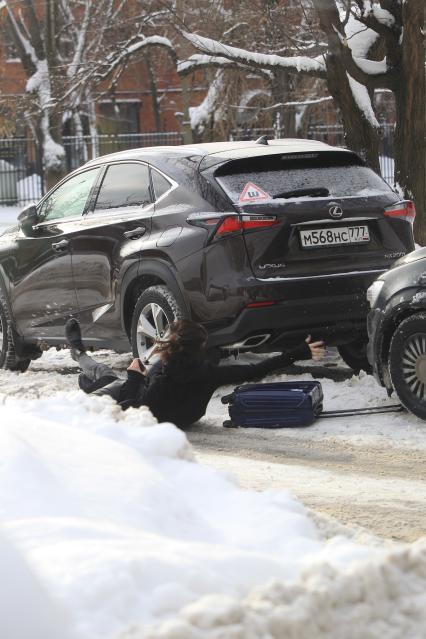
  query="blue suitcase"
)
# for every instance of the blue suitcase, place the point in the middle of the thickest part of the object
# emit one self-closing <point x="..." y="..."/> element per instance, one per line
<point x="276" y="405"/>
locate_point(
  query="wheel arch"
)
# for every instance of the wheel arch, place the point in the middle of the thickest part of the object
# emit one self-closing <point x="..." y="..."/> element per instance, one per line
<point x="3" y="283"/>
<point x="150" y="272"/>
<point x="406" y="307"/>
<point x="5" y="292"/>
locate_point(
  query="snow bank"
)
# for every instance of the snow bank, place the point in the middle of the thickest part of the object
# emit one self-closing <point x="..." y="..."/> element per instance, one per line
<point x="112" y="530"/>
<point x="383" y="598"/>
<point x="26" y="609"/>
<point x="123" y="526"/>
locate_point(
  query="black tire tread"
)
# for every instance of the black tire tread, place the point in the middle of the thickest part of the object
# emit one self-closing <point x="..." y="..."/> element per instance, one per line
<point x="357" y="364"/>
<point x="8" y="357"/>
<point x="406" y="328"/>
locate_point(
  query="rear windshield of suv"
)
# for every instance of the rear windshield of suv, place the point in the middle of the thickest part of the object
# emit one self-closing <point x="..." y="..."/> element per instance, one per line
<point x="281" y="177"/>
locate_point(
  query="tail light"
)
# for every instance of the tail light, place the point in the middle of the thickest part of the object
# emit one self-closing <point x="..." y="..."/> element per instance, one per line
<point x="245" y="223"/>
<point x="261" y="304"/>
<point x="404" y="210"/>
<point x="222" y="224"/>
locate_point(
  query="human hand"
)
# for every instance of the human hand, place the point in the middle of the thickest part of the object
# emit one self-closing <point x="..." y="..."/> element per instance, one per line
<point x="136" y="366"/>
<point x="317" y="348"/>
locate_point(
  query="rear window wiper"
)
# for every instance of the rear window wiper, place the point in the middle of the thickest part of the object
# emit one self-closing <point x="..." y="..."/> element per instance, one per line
<point x="314" y="192"/>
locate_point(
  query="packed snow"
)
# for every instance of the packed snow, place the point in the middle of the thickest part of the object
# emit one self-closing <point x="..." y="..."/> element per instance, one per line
<point x="111" y="529"/>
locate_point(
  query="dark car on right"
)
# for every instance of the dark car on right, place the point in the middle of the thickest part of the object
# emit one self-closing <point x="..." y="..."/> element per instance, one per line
<point x="397" y="330"/>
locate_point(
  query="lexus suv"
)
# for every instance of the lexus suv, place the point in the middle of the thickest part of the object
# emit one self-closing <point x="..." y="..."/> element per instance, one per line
<point x="260" y="242"/>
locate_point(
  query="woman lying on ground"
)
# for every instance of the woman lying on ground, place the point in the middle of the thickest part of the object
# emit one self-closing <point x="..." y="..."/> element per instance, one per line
<point x="179" y="386"/>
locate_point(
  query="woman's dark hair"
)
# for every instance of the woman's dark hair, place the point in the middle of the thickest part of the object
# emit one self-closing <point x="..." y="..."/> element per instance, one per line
<point x="185" y="339"/>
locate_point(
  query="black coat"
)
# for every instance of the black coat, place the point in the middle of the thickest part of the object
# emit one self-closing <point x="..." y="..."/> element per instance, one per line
<point x="180" y="392"/>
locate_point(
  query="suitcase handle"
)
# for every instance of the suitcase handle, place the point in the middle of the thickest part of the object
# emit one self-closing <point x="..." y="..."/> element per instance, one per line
<point x="228" y="399"/>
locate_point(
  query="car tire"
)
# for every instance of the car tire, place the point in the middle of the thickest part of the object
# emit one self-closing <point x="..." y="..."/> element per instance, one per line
<point x="8" y="357"/>
<point x="407" y="363"/>
<point x="159" y="308"/>
<point x="354" y="355"/>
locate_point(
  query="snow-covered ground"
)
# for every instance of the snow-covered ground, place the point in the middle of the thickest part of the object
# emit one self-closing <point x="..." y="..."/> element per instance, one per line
<point x="8" y="216"/>
<point x="110" y="526"/>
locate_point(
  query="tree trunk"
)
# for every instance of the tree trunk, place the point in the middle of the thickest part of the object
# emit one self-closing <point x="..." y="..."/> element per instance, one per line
<point x="360" y="134"/>
<point x="281" y="91"/>
<point x="410" y="116"/>
<point x="54" y="159"/>
<point x="154" y="93"/>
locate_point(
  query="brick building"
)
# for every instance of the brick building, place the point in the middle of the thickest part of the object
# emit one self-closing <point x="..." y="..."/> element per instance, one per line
<point x="146" y="98"/>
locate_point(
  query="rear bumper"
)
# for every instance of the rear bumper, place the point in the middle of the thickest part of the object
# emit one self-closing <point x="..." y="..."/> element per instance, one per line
<point x="338" y="320"/>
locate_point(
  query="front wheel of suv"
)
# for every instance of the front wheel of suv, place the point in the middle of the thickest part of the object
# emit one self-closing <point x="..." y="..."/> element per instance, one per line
<point x="354" y="355"/>
<point x="407" y="363"/>
<point x="8" y="357"/>
<point x="156" y="308"/>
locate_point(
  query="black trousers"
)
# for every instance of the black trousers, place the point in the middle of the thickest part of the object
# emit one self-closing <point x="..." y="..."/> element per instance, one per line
<point x="104" y="380"/>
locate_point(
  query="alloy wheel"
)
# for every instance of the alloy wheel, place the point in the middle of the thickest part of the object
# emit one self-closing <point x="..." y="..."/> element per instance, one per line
<point x="152" y="325"/>
<point x="414" y="364"/>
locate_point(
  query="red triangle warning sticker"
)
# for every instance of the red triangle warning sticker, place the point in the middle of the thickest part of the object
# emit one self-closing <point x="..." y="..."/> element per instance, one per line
<point x="252" y="193"/>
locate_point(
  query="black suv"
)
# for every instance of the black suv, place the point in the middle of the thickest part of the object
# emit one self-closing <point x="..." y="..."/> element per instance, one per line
<point x="259" y="242"/>
<point x="397" y="329"/>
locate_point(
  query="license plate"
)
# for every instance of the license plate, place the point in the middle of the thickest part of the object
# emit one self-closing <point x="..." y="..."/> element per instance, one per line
<point x="335" y="236"/>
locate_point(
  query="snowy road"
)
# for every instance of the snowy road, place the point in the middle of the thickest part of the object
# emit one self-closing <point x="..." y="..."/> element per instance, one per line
<point x="366" y="471"/>
<point x="380" y="489"/>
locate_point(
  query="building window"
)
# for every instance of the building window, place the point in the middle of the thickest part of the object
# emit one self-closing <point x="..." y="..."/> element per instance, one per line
<point x="118" y="117"/>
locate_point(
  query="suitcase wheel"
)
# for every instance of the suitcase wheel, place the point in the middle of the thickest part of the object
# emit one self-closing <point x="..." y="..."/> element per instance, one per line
<point x="229" y="424"/>
<point x="227" y="399"/>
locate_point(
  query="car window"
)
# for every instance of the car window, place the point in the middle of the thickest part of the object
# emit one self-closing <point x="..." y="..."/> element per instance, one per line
<point x="160" y="184"/>
<point x="124" y="185"/>
<point x="69" y="199"/>
<point x="286" y="179"/>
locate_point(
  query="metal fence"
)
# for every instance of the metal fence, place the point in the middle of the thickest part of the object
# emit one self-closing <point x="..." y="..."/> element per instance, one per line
<point x="81" y="149"/>
<point x="20" y="171"/>
<point x="21" y="174"/>
<point x="333" y="134"/>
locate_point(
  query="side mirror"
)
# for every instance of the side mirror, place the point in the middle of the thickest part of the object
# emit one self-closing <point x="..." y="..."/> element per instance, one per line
<point x="28" y="217"/>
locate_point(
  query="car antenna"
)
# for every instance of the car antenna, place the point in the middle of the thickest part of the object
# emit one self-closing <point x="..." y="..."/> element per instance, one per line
<point x="262" y="140"/>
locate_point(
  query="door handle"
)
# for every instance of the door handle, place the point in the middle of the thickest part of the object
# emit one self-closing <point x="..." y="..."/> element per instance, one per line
<point x="61" y="247"/>
<point x="135" y="234"/>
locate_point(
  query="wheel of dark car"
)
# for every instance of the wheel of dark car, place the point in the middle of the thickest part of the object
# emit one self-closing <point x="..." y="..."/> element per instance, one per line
<point x="407" y="363"/>
<point x="155" y="310"/>
<point x="354" y="355"/>
<point x="8" y="358"/>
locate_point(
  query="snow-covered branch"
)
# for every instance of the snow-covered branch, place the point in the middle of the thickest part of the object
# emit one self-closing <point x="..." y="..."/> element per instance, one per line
<point x="210" y="109"/>
<point x="300" y="64"/>
<point x="198" y="61"/>
<point x="130" y="48"/>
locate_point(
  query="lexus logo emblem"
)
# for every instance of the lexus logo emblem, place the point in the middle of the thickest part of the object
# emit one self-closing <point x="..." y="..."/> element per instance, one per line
<point x="335" y="210"/>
